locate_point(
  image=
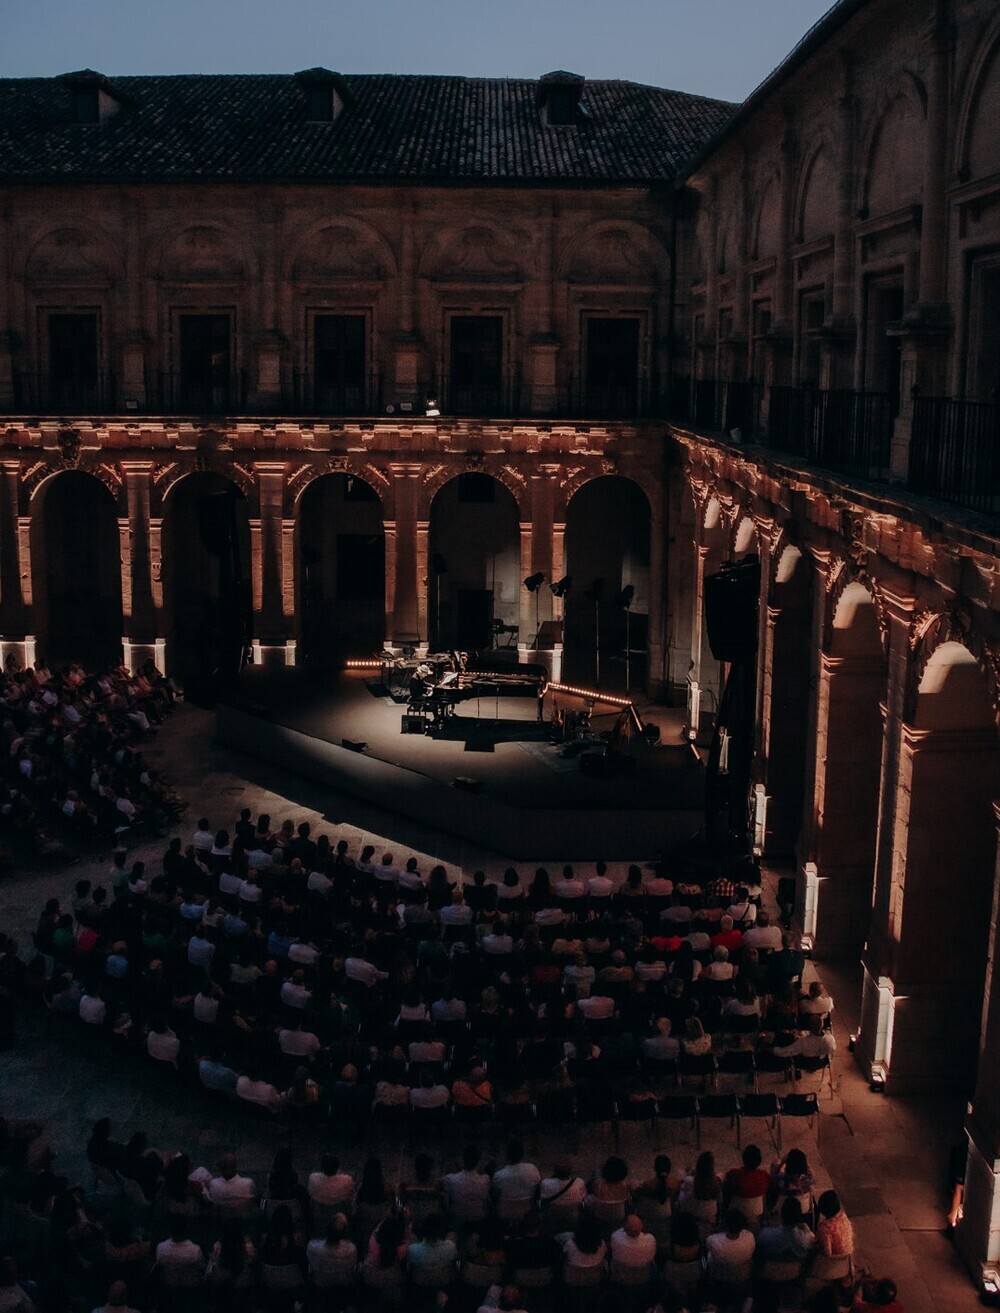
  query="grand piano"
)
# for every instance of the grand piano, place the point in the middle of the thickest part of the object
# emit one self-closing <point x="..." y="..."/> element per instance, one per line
<point x="488" y="681"/>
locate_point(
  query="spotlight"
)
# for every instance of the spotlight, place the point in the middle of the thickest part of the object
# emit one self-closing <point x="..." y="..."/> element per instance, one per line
<point x="431" y="410"/>
<point x="626" y="596"/>
<point x="438" y="564"/>
<point x="534" y="582"/>
<point x="562" y="586"/>
<point x="595" y="592"/>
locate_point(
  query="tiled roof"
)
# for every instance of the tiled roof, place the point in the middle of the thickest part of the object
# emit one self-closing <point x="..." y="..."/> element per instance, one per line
<point x="405" y="128"/>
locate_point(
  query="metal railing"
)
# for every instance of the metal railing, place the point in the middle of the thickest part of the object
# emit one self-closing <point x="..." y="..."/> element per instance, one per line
<point x="502" y="396"/>
<point x="849" y="432"/>
<point x="955" y="451"/>
<point x="170" y="393"/>
<point x="317" y="396"/>
<point x="46" y="394"/>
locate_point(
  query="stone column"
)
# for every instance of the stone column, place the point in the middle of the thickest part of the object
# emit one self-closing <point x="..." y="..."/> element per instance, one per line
<point x="408" y="587"/>
<point x="840" y="335"/>
<point x="13" y="603"/>
<point x="538" y="555"/>
<point x="923" y="978"/>
<point x="544" y="346"/>
<point x="656" y="681"/>
<point x="138" y="605"/>
<point x="978" y="1233"/>
<point x="272" y="606"/>
<point x="697" y="711"/>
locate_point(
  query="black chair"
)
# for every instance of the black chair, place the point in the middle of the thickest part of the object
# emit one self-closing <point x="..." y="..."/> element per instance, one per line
<point x="762" y="1106"/>
<point x="802" y="1106"/>
<point x="738" y="1062"/>
<point x="678" y="1108"/>
<point x="698" y="1066"/>
<point x="716" y="1107"/>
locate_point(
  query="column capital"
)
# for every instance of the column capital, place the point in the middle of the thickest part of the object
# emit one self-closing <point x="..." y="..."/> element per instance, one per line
<point x="131" y="466"/>
<point x="405" y="469"/>
<point x="271" y="467"/>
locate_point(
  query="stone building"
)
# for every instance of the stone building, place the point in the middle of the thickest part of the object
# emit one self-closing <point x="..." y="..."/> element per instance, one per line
<point x="388" y="346"/>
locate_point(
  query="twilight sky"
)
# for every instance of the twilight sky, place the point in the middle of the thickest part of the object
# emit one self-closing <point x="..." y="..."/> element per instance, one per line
<point x="714" y="47"/>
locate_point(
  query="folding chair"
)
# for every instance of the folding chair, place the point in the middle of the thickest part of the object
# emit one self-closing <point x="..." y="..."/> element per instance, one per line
<point x="716" y="1107"/>
<point x="801" y="1105"/>
<point x="762" y="1106"/>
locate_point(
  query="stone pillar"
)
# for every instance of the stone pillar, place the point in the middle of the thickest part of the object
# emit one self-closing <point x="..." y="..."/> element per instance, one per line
<point x="925" y="960"/>
<point x="138" y="605"/>
<point x="656" y="674"/>
<point x="273" y="605"/>
<point x="15" y="571"/>
<point x="933" y="222"/>
<point x="786" y="667"/>
<point x="407" y="587"/>
<point x="783" y="280"/>
<point x="539" y="555"/>
<point x="544" y="346"/>
<point x="978" y="1233"/>
<point x="697" y="711"/>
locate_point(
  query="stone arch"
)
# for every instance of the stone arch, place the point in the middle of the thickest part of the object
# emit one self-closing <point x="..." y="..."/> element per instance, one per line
<point x="816" y="202"/>
<point x="437" y="476"/>
<point x="71" y="253"/>
<point x="977" y="148"/>
<point x="107" y="475"/>
<point x="952" y="625"/>
<point x="474" y="532"/>
<point x="841" y="577"/>
<point x="339" y="548"/>
<point x="893" y="155"/>
<point x="203" y="251"/>
<point x="621" y="252"/>
<point x="299" y="480"/>
<point x="479" y="251"/>
<point x="76" y="568"/>
<point x="206" y="584"/>
<point x="745" y="538"/>
<point x="855" y="626"/>
<point x="344" y="248"/>
<point x="608" y="538"/>
<point x="953" y="693"/>
<point x="766" y="239"/>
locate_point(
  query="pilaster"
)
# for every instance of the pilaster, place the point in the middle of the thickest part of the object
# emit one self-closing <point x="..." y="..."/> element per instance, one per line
<point x="407" y="587"/>
<point x="273" y="599"/>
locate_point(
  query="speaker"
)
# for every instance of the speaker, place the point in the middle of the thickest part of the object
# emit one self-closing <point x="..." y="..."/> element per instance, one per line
<point x="412" y="724"/>
<point x="732" y="598"/>
<point x="467" y="785"/>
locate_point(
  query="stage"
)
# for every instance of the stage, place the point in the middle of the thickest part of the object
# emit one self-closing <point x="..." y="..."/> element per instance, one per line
<point x="490" y="776"/>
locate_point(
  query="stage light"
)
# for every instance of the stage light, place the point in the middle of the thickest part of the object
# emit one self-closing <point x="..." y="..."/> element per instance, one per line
<point x="534" y="582"/>
<point x="626" y="596"/>
<point x="562" y="586"/>
<point x="369" y="663"/>
<point x="432" y="411"/>
<point x="595" y="592"/>
<point x="438" y="564"/>
<point x="590" y="694"/>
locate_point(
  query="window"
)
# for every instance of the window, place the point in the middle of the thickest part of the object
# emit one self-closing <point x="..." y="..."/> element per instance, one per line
<point x="86" y="105"/>
<point x="476" y="373"/>
<point x="205" y="382"/>
<point x="612" y="366"/>
<point x="73" y="371"/>
<point x="984" y="336"/>
<point x="761" y="329"/>
<point x="339" y="364"/>
<point x="812" y="314"/>
<point x="884" y="352"/>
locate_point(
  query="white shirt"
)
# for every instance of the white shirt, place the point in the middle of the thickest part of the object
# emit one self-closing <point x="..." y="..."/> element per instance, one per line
<point x="200" y="951"/>
<point x="599" y="886"/>
<point x="574" y="1193"/>
<point x="596" y="1008"/>
<point x="164" y="1048"/>
<point x="318" y="883"/>
<point x="203" y="841"/>
<point x="93" y="1010"/>
<point x="434" y="1096"/>
<point x="516" y="1181"/>
<point x="762" y="936"/>
<point x="632" y="1251"/>
<point x="298" y="1043"/>
<point x="336" y="1262"/>
<point x="468" y="1194"/>
<point x="257" y="1091"/>
<point x="179" y="1251"/>
<point x="456" y="914"/>
<point x="236" y="1187"/>
<point x="229" y="883"/>
<point x="249" y="892"/>
<point x="205" y="1009"/>
<point x="303" y="954"/>
<point x="366" y="973"/>
<point x="295" y="996"/>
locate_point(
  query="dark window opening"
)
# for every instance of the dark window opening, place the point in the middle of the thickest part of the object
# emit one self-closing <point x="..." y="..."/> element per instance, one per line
<point x="475" y="487"/>
<point x="339" y="364"/>
<point x="810" y="357"/>
<point x="86" y="105"/>
<point x="885" y="352"/>
<point x="357" y="490"/>
<point x="321" y="104"/>
<point x="72" y="359"/>
<point x="986" y="358"/>
<point x="612" y="366"/>
<point x="476" y="377"/>
<point x="205" y="363"/>
<point x="563" y="107"/>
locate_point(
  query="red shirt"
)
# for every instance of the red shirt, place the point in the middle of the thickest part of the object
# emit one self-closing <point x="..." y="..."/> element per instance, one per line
<point x="743" y="1184"/>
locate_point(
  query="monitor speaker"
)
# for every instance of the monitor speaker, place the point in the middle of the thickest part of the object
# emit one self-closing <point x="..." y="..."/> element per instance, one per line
<point x="732" y="599"/>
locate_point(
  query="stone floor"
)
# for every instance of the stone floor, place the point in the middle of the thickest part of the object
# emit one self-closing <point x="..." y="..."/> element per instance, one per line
<point x="886" y="1157"/>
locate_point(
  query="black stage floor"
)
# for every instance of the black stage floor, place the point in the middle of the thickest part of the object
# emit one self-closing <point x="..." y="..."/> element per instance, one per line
<point x="529" y="801"/>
